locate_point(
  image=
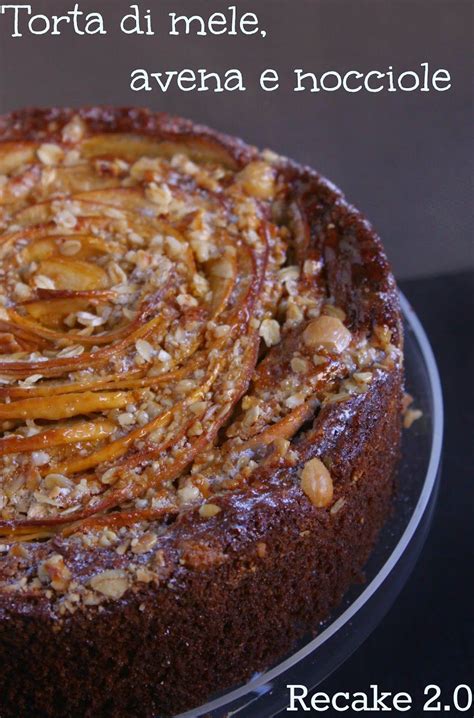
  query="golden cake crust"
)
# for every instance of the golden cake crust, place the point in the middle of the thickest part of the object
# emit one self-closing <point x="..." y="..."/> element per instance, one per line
<point x="197" y="555"/>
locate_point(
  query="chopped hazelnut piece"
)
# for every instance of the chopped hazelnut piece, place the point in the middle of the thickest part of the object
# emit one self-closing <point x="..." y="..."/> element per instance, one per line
<point x="19" y="550"/>
<point x="144" y="575"/>
<point x="411" y="415"/>
<point x="363" y="377"/>
<point x="144" y="349"/>
<point x="316" y="482"/>
<point x="270" y="332"/>
<point x="56" y="572"/>
<point x="195" y="429"/>
<point x="198" y="407"/>
<point x="327" y="333"/>
<point x="112" y="583"/>
<point x="281" y="446"/>
<point x="312" y="267"/>
<point x="251" y="416"/>
<point x="144" y="543"/>
<point x="74" y="131"/>
<point x="383" y="334"/>
<point x="109" y="476"/>
<point x="318" y="360"/>
<point x="49" y="153"/>
<point x="258" y="180"/>
<point x="22" y="291"/>
<point x="159" y="195"/>
<point x="189" y="494"/>
<point x="299" y="365"/>
<point x="209" y="510"/>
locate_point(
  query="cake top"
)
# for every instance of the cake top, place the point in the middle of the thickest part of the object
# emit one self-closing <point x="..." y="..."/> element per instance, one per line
<point x="175" y="309"/>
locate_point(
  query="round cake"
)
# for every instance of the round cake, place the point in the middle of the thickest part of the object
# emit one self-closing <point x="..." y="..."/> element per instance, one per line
<point x="201" y="375"/>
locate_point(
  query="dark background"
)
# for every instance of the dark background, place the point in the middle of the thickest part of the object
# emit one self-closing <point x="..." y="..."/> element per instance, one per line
<point x="405" y="159"/>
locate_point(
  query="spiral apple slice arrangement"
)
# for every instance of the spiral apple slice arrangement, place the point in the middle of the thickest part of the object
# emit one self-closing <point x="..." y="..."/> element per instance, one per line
<point x="165" y="329"/>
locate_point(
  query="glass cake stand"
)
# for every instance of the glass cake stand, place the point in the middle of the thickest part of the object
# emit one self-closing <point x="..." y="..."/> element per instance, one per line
<point x="393" y="558"/>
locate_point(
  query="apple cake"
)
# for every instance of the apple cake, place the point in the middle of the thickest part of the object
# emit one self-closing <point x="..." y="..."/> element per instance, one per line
<point x="201" y="375"/>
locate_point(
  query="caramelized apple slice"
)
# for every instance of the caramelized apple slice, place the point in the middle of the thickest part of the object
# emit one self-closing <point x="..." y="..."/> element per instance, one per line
<point x="133" y="379"/>
<point x="51" y="313"/>
<point x="133" y="147"/>
<point x="16" y="154"/>
<point x="79" y="178"/>
<point x="77" y="275"/>
<point x="128" y="200"/>
<point x="63" y="407"/>
<point x="130" y="485"/>
<point x="117" y="519"/>
<point x="119" y="448"/>
<point x="75" y="433"/>
<point x="77" y="246"/>
<point x="61" y="365"/>
<point x="286" y="428"/>
<point x="222" y="276"/>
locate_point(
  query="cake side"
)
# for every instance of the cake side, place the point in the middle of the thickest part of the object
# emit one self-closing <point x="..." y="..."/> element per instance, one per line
<point x="167" y="649"/>
<point x="221" y="595"/>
